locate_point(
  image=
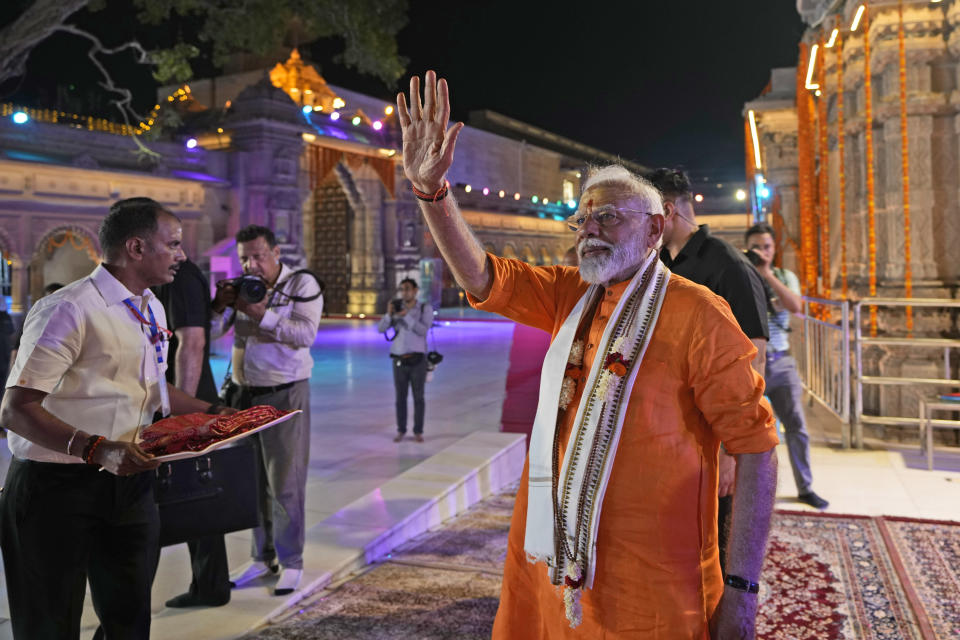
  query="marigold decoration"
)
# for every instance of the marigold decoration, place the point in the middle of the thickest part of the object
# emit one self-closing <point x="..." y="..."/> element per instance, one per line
<point x="805" y="170"/>
<point x="871" y="204"/>
<point x="573" y="373"/>
<point x="823" y="222"/>
<point x="905" y="160"/>
<point x="841" y="163"/>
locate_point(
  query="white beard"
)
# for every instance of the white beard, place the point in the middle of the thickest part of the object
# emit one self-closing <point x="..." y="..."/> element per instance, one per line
<point x="602" y="269"/>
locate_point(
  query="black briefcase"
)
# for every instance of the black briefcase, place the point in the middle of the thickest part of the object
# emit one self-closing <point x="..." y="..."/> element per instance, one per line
<point x="208" y="494"/>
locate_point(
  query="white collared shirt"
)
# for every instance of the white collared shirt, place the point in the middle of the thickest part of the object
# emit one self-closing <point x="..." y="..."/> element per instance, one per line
<point x="83" y="347"/>
<point x="276" y="350"/>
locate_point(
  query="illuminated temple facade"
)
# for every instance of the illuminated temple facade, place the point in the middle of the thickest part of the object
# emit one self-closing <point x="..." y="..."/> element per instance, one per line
<point x="858" y="217"/>
<point x="318" y="164"/>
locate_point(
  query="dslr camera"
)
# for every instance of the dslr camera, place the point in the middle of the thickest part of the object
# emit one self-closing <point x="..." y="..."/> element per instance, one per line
<point x="253" y="289"/>
<point x="754" y="257"/>
<point x="397" y="305"/>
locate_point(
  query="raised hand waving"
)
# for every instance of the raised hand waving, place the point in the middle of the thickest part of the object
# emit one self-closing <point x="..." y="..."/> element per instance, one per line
<point x="427" y="142"/>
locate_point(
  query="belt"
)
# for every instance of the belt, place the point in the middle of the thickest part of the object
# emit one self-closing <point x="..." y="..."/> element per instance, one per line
<point x="773" y="356"/>
<point x="262" y="391"/>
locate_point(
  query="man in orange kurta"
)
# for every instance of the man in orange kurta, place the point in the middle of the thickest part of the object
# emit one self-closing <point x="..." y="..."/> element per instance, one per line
<point x="656" y="572"/>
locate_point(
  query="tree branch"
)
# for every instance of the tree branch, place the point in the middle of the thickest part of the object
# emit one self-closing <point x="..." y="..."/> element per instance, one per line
<point x="124" y="102"/>
<point x="34" y="25"/>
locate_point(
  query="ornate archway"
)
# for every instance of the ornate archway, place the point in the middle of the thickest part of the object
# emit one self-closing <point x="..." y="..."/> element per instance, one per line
<point x="63" y="254"/>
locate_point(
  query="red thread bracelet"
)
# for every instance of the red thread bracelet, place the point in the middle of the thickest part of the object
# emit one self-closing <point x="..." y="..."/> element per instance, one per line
<point x="436" y="197"/>
<point x="93" y="447"/>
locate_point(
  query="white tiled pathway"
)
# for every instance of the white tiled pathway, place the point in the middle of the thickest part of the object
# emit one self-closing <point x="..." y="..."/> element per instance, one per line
<point x="367" y="494"/>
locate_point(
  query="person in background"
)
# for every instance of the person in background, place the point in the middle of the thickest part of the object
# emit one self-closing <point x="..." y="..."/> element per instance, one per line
<point x="187" y="302"/>
<point x="6" y="336"/>
<point x="410" y="322"/>
<point x="783" y="382"/>
<point x="691" y="251"/>
<point x="271" y="365"/>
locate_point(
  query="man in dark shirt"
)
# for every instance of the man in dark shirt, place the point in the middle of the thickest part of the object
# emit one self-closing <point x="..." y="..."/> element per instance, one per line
<point x="187" y="303"/>
<point x="690" y="251"/>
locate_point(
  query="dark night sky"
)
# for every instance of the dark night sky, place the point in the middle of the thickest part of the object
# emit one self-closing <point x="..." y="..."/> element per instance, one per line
<point x="661" y="83"/>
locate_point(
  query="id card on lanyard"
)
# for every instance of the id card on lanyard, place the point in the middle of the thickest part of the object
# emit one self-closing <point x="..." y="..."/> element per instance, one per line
<point x="156" y="338"/>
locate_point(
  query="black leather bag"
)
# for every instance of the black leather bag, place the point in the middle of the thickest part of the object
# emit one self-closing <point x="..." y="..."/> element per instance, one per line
<point x="206" y="495"/>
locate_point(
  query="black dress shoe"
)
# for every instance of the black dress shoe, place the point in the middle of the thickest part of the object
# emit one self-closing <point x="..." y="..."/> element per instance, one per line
<point x="192" y="600"/>
<point x="813" y="500"/>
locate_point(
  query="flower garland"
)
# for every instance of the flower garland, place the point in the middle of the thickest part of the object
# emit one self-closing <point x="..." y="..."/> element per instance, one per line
<point x="573" y="374"/>
<point x="615" y="366"/>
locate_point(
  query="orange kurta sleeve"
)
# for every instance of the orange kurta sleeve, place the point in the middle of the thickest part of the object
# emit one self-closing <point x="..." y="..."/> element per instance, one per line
<point x="727" y="389"/>
<point x="539" y="297"/>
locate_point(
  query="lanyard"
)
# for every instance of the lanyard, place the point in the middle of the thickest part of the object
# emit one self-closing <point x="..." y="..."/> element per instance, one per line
<point x="156" y="338"/>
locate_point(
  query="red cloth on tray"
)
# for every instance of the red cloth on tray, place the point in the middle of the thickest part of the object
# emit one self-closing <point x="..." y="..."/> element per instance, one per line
<point x="196" y="431"/>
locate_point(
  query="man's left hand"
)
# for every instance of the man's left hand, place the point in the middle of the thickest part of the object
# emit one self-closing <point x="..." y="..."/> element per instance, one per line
<point x="255" y="311"/>
<point x="735" y="617"/>
<point x="727" y="473"/>
<point x="226" y="411"/>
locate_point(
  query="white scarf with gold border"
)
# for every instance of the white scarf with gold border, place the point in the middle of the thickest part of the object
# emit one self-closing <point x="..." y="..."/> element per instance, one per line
<point x="584" y="475"/>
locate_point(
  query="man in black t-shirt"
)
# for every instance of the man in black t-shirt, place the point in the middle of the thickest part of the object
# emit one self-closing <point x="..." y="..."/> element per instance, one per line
<point x="690" y="251"/>
<point x="187" y="303"/>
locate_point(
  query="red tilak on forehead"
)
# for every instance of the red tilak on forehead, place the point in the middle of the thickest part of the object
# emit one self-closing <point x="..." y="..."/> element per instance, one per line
<point x="590" y="204"/>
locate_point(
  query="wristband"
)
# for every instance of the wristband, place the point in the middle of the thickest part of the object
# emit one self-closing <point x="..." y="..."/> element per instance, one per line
<point x="92" y="443"/>
<point x="440" y="194"/>
<point x="214" y="408"/>
<point x="741" y="584"/>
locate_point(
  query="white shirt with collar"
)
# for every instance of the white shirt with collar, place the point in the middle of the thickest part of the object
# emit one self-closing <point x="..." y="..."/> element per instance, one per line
<point x="276" y="350"/>
<point x="85" y="348"/>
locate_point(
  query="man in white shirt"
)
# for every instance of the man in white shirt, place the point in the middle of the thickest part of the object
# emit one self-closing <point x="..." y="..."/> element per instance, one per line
<point x="271" y="364"/>
<point x="89" y="372"/>
<point x="410" y="321"/>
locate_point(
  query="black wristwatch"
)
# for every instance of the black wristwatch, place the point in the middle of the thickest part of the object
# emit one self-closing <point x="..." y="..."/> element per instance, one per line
<point x="741" y="584"/>
<point x="214" y="408"/>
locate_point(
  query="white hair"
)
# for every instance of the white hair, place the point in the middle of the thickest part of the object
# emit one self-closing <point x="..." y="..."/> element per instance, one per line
<point x="615" y="174"/>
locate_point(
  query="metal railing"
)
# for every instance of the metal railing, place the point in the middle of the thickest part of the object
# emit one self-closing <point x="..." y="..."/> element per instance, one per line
<point x="919" y="343"/>
<point x="824" y="361"/>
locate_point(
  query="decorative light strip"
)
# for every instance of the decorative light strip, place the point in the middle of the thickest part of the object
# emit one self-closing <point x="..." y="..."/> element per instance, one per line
<point x="756" y="139"/>
<point x="809" y="84"/>
<point x="856" y="18"/>
<point x="833" y="39"/>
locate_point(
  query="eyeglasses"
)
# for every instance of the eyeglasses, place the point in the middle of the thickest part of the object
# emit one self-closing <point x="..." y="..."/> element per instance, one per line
<point x="606" y="216"/>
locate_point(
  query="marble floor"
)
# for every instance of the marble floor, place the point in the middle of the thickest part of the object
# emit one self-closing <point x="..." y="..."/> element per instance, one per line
<point x="352" y="453"/>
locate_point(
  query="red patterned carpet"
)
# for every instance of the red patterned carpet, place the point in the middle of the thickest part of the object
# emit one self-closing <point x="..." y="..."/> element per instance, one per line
<point x="842" y="577"/>
<point x="826" y="577"/>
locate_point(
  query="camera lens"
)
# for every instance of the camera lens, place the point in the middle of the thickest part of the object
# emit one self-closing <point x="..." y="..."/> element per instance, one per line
<point x="252" y="289"/>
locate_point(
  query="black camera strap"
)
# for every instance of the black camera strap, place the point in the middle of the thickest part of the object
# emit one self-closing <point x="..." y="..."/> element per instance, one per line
<point x="278" y="291"/>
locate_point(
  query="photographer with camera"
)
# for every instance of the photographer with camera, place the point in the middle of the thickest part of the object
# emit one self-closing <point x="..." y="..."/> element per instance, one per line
<point x="410" y="322"/>
<point x="783" y="382"/>
<point x="691" y="251"/>
<point x="275" y="312"/>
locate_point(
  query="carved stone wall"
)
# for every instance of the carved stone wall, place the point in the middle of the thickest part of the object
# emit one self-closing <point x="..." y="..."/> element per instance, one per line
<point x="932" y="47"/>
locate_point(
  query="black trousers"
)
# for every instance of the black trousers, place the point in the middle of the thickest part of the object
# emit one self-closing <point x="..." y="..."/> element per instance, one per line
<point x="404" y="377"/>
<point x="62" y="524"/>
<point x="211" y="574"/>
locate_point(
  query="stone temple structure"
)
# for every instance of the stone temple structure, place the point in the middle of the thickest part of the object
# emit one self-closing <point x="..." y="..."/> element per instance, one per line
<point x="866" y="206"/>
<point x="318" y="164"/>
